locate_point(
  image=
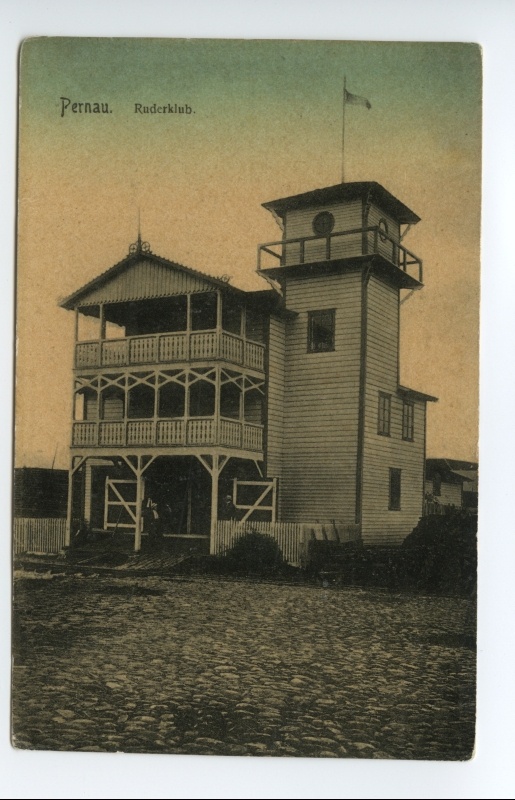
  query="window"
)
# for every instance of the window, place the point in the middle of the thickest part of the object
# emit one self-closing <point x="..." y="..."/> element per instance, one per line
<point x="437" y="484"/>
<point x="323" y="223"/>
<point x="394" y="503"/>
<point x="408" y="417"/>
<point x="321" y="331"/>
<point x="383" y="414"/>
<point x="203" y="311"/>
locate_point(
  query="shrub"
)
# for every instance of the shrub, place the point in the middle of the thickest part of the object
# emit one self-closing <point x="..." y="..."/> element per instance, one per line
<point x="254" y="553"/>
<point x="443" y="553"/>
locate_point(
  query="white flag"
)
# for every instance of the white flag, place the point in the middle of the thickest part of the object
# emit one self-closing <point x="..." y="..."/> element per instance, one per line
<point x="355" y="100"/>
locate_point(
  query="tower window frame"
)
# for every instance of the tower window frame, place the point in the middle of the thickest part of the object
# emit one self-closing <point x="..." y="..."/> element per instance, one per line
<point x="394" y="489"/>
<point x="408" y="420"/>
<point x="321" y="330"/>
<point x="384" y="414"/>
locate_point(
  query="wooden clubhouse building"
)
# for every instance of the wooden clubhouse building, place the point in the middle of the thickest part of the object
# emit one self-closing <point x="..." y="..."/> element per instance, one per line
<point x="284" y="404"/>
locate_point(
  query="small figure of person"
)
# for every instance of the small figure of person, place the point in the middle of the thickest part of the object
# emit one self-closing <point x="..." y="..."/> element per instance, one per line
<point x="229" y="509"/>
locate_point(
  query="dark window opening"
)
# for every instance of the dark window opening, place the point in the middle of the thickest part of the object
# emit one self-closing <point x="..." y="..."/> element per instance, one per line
<point x="203" y="311"/>
<point x="254" y="407"/>
<point x="141" y="402"/>
<point x="172" y="400"/>
<point x="255" y="326"/>
<point x="437" y="484"/>
<point x="230" y="400"/>
<point x="202" y="399"/>
<point x="408" y="421"/>
<point x="231" y="315"/>
<point x="384" y="414"/>
<point x="321" y="331"/>
<point x="395" y="490"/>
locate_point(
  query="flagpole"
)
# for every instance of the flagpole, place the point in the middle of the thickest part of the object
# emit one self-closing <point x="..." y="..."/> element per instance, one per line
<point x="343" y="125"/>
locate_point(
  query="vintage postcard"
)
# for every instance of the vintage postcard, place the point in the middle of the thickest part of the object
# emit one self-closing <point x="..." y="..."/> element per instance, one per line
<point x="245" y="503"/>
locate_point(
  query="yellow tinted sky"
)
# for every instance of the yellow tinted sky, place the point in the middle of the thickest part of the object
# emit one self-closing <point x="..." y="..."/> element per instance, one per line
<point x="267" y="123"/>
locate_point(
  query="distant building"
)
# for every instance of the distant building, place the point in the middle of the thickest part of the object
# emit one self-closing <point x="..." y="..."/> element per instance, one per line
<point x="451" y="483"/>
<point x="190" y="389"/>
<point x="40" y="493"/>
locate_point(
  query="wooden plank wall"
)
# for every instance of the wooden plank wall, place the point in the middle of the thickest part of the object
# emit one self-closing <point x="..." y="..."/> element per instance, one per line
<point x="299" y="222"/>
<point x="321" y="403"/>
<point x="146" y="279"/>
<point x="379" y="524"/>
<point x="450" y="493"/>
<point x="275" y="399"/>
<point x="38" y="535"/>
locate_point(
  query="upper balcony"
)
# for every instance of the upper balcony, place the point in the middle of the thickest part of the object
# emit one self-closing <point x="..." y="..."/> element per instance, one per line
<point x="170" y="348"/>
<point x="337" y="245"/>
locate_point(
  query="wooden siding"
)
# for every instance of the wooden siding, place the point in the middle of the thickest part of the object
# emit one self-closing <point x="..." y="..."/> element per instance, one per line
<point x="275" y="398"/>
<point x="380" y="453"/>
<point x="143" y="280"/>
<point x="384" y="248"/>
<point x="321" y="403"/>
<point x="299" y="222"/>
<point x="382" y="335"/>
<point x="450" y="493"/>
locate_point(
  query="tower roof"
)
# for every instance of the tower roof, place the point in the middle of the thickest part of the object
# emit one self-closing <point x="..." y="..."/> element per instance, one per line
<point x="342" y="192"/>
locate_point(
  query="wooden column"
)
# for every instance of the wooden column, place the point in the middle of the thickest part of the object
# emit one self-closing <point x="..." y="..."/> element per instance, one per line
<point x="139" y="502"/>
<point x="88" y="481"/>
<point x="215" y="473"/>
<point x="69" y="508"/>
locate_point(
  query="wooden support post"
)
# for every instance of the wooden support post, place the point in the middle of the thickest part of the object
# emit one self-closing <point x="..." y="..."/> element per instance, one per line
<point x="69" y="508"/>
<point x="88" y="485"/>
<point x="139" y="502"/>
<point x="215" y="472"/>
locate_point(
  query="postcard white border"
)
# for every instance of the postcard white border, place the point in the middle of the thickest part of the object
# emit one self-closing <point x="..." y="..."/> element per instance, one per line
<point x="491" y="23"/>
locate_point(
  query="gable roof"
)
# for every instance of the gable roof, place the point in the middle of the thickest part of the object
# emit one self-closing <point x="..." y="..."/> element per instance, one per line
<point x="199" y="281"/>
<point x="442" y="467"/>
<point x="345" y="191"/>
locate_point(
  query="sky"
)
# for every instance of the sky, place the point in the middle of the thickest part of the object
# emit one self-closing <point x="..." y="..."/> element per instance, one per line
<point x="266" y="122"/>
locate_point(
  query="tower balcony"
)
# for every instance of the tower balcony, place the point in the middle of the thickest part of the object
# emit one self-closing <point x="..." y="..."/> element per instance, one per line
<point x="170" y="348"/>
<point x="169" y="433"/>
<point x="337" y="245"/>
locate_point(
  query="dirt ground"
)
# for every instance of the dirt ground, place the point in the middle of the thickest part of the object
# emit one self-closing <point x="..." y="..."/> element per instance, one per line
<point x="209" y="666"/>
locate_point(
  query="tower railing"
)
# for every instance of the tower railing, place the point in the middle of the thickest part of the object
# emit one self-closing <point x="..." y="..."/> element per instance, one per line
<point x="341" y="244"/>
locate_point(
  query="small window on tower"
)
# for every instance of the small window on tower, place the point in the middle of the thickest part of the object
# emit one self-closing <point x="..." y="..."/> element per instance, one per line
<point x="321" y="331"/>
<point x="383" y="414"/>
<point x="408" y="417"/>
<point x="395" y="490"/>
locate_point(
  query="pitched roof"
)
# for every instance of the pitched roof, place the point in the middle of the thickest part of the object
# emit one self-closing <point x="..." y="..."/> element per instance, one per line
<point x="345" y="191"/>
<point x="73" y="300"/>
<point x="414" y="395"/>
<point x="442" y="467"/>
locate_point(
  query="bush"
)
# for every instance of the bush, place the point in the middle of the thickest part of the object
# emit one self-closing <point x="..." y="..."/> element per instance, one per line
<point x="254" y="553"/>
<point x="443" y="553"/>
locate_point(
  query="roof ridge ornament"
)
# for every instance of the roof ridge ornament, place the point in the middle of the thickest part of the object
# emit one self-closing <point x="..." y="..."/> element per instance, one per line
<point x="139" y="247"/>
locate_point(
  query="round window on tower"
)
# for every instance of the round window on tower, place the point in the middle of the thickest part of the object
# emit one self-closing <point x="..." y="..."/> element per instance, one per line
<point x="383" y="229"/>
<point x="323" y="223"/>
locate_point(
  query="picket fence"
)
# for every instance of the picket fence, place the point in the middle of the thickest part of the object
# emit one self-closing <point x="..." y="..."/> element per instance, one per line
<point x="39" y="535"/>
<point x="290" y="537"/>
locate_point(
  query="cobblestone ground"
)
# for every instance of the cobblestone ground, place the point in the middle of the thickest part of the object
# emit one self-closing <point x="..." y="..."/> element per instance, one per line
<point x="224" y="667"/>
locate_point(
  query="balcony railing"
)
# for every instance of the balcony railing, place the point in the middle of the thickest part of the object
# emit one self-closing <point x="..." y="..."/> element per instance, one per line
<point x="167" y="348"/>
<point x="341" y="244"/>
<point x="169" y="432"/>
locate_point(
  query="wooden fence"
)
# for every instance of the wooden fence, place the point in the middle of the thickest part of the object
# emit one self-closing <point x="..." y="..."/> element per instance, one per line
<point x="38" y="535"/>
<point x="290" y="536"/>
